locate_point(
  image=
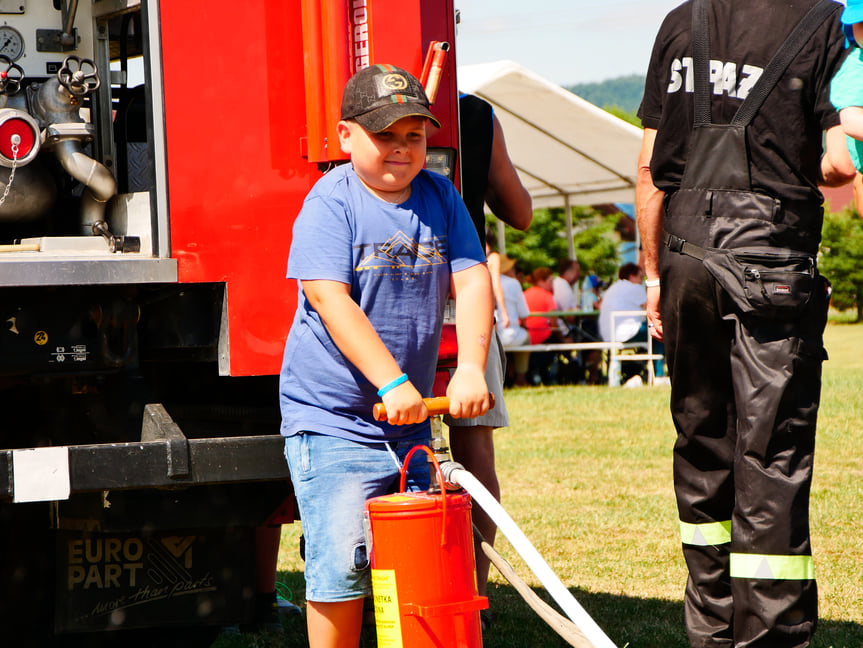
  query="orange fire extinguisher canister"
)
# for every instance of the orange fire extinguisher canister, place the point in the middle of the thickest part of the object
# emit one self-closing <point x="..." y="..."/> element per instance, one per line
<point x="423" y="569"/>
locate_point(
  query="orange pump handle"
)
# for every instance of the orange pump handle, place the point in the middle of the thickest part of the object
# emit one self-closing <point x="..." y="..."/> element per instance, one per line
<point x="436" y="406"/>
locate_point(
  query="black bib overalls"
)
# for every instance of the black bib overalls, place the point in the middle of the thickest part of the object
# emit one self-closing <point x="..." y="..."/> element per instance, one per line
<point x="745" y="390"/>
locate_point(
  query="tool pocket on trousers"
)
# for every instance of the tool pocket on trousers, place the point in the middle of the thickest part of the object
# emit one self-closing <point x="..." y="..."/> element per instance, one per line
<point x="766" y="283"/>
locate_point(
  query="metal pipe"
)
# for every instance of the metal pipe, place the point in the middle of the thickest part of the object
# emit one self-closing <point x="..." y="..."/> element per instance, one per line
<point x="70" y="17"/>
<point x="86" y="170"/>
<point x="98" y="180"/>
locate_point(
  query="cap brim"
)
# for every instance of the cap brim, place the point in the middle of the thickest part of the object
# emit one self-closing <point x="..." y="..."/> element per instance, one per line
<point x="382" y="118"/>
<point x="852" y="15"/>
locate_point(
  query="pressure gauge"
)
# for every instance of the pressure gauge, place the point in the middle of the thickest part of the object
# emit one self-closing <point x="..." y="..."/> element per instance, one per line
<point x="11" y="42"/>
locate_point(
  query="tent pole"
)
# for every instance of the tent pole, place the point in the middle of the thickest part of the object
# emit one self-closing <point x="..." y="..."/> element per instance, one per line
<point x="568" y="211"/>
<point x="501" y="237"/>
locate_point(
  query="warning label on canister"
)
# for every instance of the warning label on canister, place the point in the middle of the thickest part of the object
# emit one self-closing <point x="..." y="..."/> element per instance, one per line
<point x="386" y="599"/>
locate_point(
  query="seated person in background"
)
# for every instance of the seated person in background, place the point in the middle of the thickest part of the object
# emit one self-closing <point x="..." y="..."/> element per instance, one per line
<point x="590" y="298"/>
<point x="542" y="330"/>
<point x="627" y="294"/>
<point x="513" y="334"/>
<point x="567" y="292"/>
<point x="493" y="259"/>
<point x="565" y="285"/>
<point x="540" y="299"/>
<point x="591" y="293"/>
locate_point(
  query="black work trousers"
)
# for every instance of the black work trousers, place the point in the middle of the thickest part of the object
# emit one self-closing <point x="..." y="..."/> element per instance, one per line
<point x="744" y="400"/>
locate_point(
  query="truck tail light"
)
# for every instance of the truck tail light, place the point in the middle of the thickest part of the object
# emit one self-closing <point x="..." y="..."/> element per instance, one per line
<point x="441" y="160"/>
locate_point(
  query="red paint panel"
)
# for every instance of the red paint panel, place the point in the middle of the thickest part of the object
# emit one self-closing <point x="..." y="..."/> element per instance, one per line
<point x="235" y="118"/>
<point x="400" y="33"/>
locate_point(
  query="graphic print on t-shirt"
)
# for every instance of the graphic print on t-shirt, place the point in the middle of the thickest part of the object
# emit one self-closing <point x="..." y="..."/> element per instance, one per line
<point x="724" y="77"/>
<point x="401" y="251"/>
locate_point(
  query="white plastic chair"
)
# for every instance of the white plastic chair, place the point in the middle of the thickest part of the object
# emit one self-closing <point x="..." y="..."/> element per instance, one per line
<point x="616" y="357"/>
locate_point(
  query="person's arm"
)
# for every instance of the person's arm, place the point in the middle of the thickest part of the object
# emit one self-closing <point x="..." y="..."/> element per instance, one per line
<point x="836" y="166"/>
<point x="523" y="310"/>
<point x="357" y="339"/>
<point x="858" y="194"/>
<point x="493" y="261"/>
<point x="852" y="121"/>
<point x="649" y="215"/>
<point x="474" y="305"/>
<point x="506" y="196"/>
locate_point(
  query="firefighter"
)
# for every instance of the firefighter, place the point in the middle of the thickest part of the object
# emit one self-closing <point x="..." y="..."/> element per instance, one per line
<point x="744" y="359"/>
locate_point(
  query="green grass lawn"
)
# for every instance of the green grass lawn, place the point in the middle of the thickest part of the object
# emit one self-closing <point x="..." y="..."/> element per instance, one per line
<point x="586" y="474"/>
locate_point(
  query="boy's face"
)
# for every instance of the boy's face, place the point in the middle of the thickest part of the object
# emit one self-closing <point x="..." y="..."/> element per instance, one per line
<point x="386" y="161"/>
<point x="857" y="28"/>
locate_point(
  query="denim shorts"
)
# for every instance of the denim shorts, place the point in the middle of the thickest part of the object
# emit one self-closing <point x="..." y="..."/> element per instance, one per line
<point x="332" y="479"/>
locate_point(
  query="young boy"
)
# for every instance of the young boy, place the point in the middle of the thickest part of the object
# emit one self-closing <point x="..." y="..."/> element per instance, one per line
<point x="377" y="247"/>
<point x="846" y="88"/>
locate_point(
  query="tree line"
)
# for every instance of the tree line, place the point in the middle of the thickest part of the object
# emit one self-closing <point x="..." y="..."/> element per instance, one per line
<point x="596" y="239"/>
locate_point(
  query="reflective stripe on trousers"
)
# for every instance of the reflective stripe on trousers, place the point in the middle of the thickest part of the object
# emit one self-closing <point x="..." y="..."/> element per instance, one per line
<point x="705" y="534"/>
<point x="742" y="565"/>
<point x="760" y="566"/>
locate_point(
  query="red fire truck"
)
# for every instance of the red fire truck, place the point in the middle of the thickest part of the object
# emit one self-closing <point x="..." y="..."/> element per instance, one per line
<point x="153" y="157"/>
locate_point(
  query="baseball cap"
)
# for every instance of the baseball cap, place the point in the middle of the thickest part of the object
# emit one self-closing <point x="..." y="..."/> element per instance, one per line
<point x="853" y="12"/>
<point x="379" y="95"/>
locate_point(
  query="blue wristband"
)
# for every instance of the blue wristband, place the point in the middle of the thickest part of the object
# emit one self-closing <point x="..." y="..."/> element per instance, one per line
<point x="395" y="383"/>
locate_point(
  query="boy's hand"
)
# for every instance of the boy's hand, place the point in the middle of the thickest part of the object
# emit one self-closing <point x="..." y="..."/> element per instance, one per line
<point x="468" y="392"/>
<point x="405" y="405"/>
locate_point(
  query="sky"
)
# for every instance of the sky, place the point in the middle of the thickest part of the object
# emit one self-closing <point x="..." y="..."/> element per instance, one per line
<point x="565" y="41"/>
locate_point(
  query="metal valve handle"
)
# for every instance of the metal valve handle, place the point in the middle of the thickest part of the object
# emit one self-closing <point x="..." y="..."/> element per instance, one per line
<point x="73" y="77"/>
<point x="10" y="83"/>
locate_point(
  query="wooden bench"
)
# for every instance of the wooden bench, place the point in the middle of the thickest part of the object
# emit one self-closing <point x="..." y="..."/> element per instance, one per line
<point x="575" y="346"/>
<point x="612" y="347"/>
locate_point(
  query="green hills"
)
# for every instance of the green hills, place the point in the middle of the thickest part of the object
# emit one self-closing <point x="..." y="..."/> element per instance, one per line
<point x="622" y="92"/>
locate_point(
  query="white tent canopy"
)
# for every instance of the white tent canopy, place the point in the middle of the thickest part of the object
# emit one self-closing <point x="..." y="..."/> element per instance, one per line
<point x="566" y="150"/>
<point x="561" y="144"/>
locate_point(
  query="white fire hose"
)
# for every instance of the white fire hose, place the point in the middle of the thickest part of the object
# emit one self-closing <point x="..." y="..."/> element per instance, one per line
<point x="456" y="474"/>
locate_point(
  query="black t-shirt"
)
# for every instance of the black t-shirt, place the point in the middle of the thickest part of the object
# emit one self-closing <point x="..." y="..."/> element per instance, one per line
<point x="785" y="137"/>
<point x="477" y="136"/>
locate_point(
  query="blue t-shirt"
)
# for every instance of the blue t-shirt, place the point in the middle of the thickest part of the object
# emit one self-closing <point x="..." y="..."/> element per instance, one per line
<point x="846" y="89"/>
<point x="397" y="260"/>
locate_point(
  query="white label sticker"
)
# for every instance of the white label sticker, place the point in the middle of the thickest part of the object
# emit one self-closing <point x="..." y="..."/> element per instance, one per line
<point x="41" y="474"/>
